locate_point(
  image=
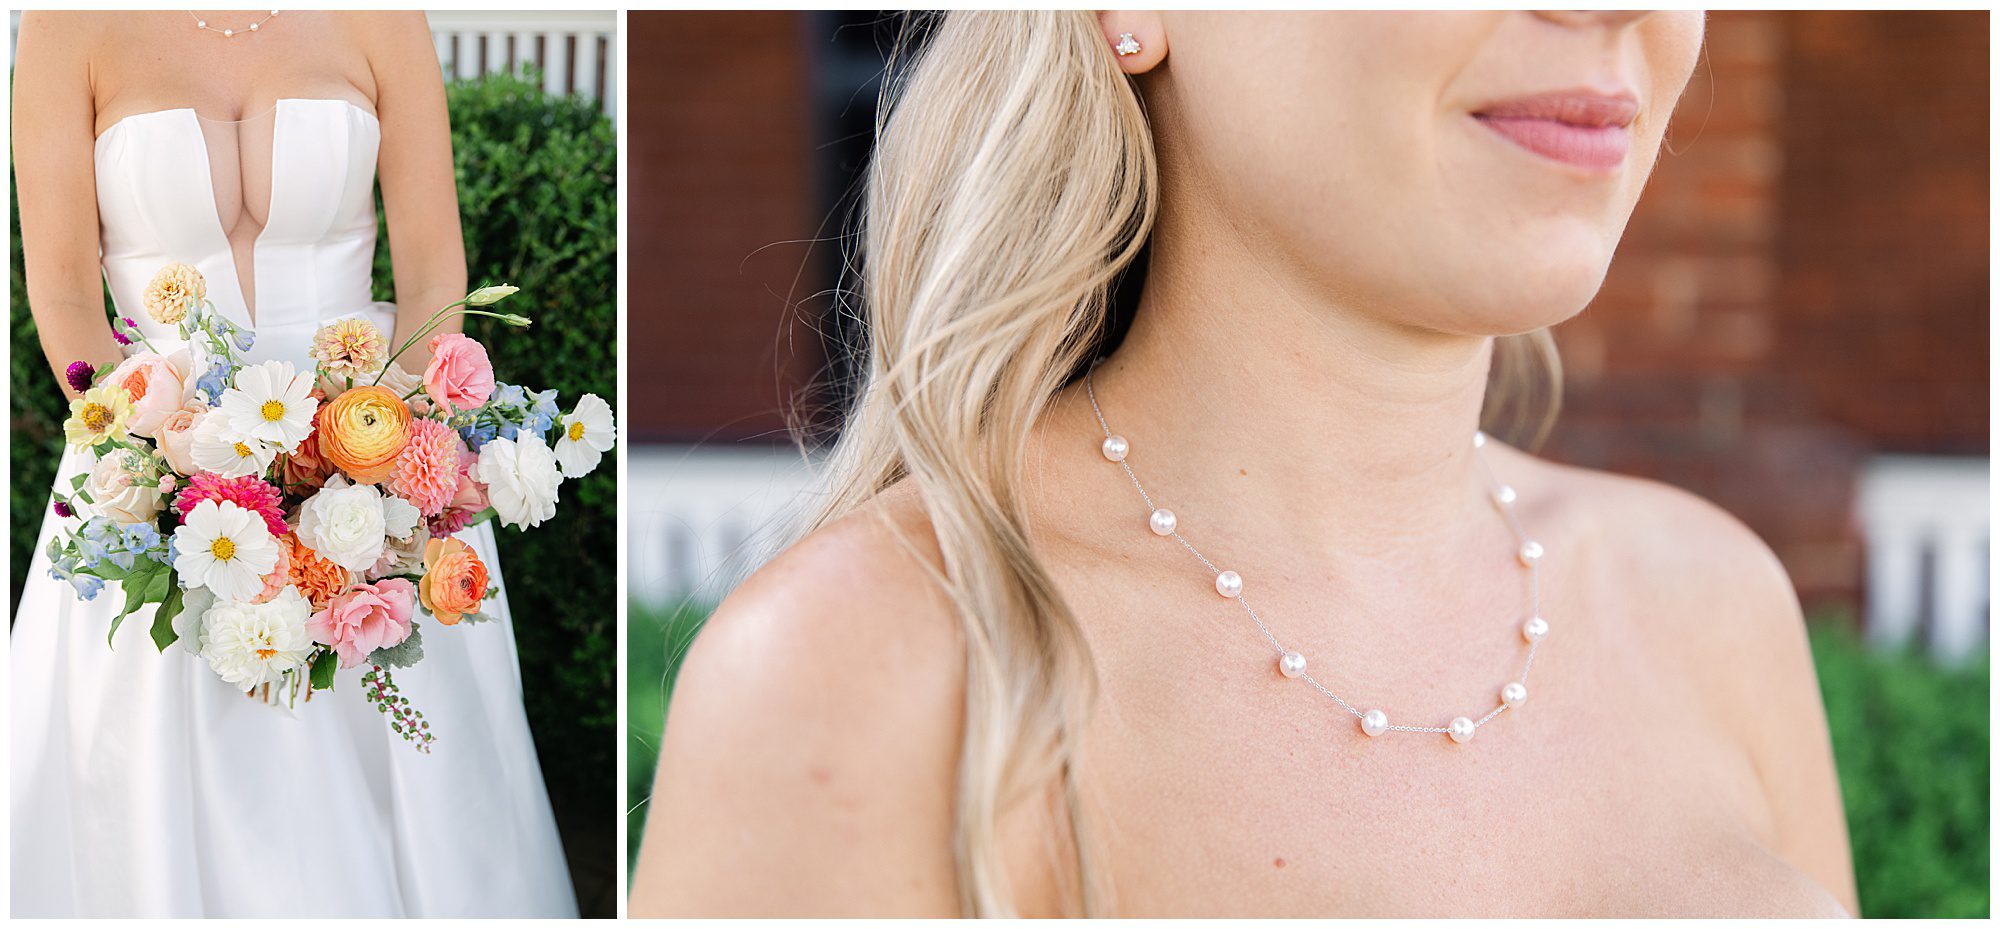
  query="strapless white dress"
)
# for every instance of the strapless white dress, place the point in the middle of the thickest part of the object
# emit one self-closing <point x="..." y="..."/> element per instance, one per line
<point x="144" y="785"/>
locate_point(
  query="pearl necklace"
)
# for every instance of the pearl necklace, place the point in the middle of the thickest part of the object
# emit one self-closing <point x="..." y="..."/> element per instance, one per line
<point x="1292" y="664"/>
<point x="200" y="23"/>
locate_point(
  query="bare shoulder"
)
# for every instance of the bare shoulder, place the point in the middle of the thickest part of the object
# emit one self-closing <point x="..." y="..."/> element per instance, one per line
<point x="1705" y="598"/>
<point x="810" y="751"/>
<point x="1707" y="579"/>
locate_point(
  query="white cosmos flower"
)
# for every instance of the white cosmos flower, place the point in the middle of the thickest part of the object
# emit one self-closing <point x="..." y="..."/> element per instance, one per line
<point x="248" y="644"/>
<point x="585" y="435"/>
<point x="348" y="524"/>
<point x="271" y="401"/>
<point x="218" y="447"/>
<point x="225" y="548"/>
<point x="521" y="480"/>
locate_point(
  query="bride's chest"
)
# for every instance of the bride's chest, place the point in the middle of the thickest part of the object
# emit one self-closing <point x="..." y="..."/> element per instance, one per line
<point x="1223" y="787"/>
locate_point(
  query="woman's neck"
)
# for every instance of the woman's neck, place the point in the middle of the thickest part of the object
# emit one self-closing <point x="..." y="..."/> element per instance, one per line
<point x="1262" y="394"/>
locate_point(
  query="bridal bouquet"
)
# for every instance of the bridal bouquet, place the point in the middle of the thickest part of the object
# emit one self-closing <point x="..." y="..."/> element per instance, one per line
<point x="290" y="522"/>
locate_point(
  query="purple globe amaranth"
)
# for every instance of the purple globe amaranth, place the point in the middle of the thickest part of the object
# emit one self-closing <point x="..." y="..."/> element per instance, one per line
<point x="79" y="374"/>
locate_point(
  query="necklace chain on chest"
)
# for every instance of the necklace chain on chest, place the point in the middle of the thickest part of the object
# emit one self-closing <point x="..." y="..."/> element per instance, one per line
<point x="232" y="32"/>
<point x="1292" y="663"/>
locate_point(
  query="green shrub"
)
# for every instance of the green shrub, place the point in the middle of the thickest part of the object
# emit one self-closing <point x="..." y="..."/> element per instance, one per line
<point x="537" y="185"/>
<point x="1910" y="740"/>
<point x="656" y="643"/>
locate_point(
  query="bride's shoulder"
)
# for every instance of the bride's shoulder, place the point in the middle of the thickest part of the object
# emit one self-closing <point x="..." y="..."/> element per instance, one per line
<point x="865" y="587"/>
<point x="820" y="702"/>
<point x="1680" y="572"/>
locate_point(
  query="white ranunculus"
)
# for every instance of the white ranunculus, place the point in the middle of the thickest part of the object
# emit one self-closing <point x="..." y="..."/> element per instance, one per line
<point x="584" y="435"/>
<point x="348" y="524"/>
<point x="114" y="491"/>
<point x="248" y="644"/>
<point x="522" y="480"/>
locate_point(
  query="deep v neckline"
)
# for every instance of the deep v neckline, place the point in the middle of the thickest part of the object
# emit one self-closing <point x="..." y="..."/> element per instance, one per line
<point x="246" y="286"/>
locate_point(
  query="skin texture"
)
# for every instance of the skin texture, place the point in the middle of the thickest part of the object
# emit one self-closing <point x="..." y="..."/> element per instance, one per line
<point x="78" y="74"/>
<point x="1338" y="243"/>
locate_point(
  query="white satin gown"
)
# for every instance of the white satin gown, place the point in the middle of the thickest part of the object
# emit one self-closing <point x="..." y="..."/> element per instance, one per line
<point x="144" y="785"/>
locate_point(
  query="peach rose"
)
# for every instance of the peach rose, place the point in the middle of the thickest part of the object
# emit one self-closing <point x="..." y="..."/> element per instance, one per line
<point x="454" y="581"/>
<point x="157" y="384"/>
<point x="362" y="431"/>
<point x="459" y="377"/>
<point x="471" y="495"/>
<point x="176" y="436"/>
<point x="280" y="576"/>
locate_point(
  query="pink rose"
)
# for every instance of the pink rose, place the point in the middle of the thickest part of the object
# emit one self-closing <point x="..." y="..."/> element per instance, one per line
<point x="157" y="384"/>
<point x="459" y="376"/>
<point x="364" y="618"/>
<point x="176" y="436"/>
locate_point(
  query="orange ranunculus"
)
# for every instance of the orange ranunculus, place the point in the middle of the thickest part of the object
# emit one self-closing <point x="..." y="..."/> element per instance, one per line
<point x="362" y="431"/>
<point x="454" y="580"/>
<point x="318" y="579"/>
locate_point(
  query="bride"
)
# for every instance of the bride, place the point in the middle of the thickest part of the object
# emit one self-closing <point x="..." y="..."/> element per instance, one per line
<point x="247" y="144"/>
<point x="1241" y="620"/>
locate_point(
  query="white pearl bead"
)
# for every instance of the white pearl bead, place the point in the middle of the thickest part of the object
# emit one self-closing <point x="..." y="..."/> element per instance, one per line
<point x="1462" y="730"/>
<point x="1514" y="693"/>
<point x="1534" y="629"/>
<point x="1163" y="522"/>
<point x="226" y="33"/>
<point x="1503" y="495"/>
<point x="253" y="27"/>
<point x="1531" y="552"/>
<point x="1374" y="722"/>
<point x="1478" y="439"/>
<point x="1116" y="448"/>
<point x="1292" y="665"/>
<point x="1229" y="583"/>
<point x="201" y="24"/>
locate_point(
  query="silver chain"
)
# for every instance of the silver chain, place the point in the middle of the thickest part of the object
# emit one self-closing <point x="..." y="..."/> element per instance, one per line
<point x="1503" y="498"/>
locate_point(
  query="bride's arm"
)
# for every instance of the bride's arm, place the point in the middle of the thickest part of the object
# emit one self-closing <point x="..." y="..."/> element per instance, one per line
<point x="55" y="133"/>
<point x="419" y="194"/>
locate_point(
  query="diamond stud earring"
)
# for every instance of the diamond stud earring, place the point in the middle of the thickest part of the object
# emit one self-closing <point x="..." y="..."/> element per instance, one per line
<point x="1126" y="44"/>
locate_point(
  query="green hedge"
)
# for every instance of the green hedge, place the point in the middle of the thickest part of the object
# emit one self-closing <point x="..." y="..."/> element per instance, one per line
<point x="1909" y="736"/>
<point x="1910" y="739"/>
<point x="537" y="185"/>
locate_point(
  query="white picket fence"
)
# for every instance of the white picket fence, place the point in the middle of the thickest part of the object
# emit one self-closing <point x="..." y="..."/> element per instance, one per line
<point x="1926" y="525"/>
<point x="575" y="50"/>
<point x="702" y="518"/>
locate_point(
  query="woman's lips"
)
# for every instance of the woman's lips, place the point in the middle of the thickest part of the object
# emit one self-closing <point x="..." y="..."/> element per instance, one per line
<point x="1587" y="130"/>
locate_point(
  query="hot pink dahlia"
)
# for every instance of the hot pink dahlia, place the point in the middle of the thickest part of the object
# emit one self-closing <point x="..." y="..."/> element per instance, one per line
<point x="427" y="471"/>
<point x="249" y="492"/>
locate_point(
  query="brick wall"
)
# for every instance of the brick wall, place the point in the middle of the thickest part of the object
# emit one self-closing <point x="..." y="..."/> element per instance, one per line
<point x="720" y="178"/>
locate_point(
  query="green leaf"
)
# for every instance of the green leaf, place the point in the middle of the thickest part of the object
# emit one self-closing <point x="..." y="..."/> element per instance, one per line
<point x="76" y="483"/>
<point x="163" y="620"/>
<point x="322" y="670"/>
<point x="142" y="586"/>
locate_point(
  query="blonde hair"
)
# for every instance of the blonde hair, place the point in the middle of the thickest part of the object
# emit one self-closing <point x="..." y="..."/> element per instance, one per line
<point x="1013" y="180"/>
